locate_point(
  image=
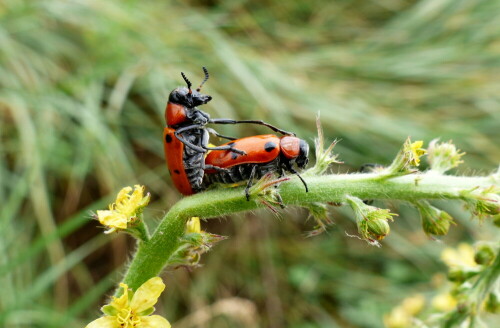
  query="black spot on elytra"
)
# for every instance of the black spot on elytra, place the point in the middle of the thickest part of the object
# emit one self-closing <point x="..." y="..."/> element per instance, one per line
<point x="177" y="172"/>
<point x="168" y="138"/>
<point x="234" y="156"/>
<point x="269" y="146"/>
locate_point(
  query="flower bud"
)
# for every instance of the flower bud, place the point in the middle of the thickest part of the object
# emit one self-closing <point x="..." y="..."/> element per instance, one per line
<point x="492" y="303"/>
<point x="434" y="221"/>
<point x="443" y="156"/>
<point x="484" y="254"/>
<point x="378" y="228"/>
<point x="193" y="225"/>
<point x="496" y="220"/>
<point x="372" y="221"/>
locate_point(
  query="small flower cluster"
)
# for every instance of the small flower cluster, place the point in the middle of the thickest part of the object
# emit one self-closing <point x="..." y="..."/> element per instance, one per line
<point x="475" y="275"/>
<point x="473" y="289"/>
<point x="131" y="309"/>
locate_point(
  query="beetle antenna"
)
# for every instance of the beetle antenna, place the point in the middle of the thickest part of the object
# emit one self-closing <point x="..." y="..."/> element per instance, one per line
<point x="187" y="82"/>
<point x="297" y="174"/>
<point x="205" y="80"/>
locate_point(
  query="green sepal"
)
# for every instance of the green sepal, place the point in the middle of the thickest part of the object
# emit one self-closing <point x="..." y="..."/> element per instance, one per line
<point x="109" y="310"/>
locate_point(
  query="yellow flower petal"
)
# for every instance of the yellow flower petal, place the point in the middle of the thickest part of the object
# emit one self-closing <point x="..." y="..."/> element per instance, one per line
<point x="417" y="151"/>
<point x="112" y="219"/>
<point x="129" y="204"/>
<point x="104" y="322"/>
<point x="147" y="295"/>
<point x="154" y="321"/>
<point x="103" y="214"/>
<point x="123" y="194"/>
<point x="121" y="302"/>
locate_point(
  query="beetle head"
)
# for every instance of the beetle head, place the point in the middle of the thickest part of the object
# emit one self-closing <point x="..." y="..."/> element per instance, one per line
<point x="187" y="97"/>
<point x="303" y="157"/>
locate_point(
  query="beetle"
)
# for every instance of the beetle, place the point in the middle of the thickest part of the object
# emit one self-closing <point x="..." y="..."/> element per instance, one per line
<point x="186" y="137"/>
<point x="264" y="154"/>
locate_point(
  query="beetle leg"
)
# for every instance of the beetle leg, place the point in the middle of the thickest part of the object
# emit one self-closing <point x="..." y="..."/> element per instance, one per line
<point x="204" y="143"/>
<point x="216" y="168"/>
<point x="215" y="133"/>
<point x="250" y="181"/>
<point x="230" y="148"/>
<point x="259" y="122"/>
<point x="281" y="172"/>
<point x="178" y="135"/>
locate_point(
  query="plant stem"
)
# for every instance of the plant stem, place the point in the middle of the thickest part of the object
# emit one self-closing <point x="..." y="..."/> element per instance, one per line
<point x="153" y="255"/>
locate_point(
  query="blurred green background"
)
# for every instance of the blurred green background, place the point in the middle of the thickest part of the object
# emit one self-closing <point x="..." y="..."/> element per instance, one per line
<point x="83" y="87"/>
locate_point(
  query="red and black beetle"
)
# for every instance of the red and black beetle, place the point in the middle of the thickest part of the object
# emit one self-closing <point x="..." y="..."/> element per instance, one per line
<point x="264" y="154"/>
<point x="186" y="137"/>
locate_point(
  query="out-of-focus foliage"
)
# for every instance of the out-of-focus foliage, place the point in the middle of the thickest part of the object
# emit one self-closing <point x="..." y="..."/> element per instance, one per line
<point x="83" y="85"/>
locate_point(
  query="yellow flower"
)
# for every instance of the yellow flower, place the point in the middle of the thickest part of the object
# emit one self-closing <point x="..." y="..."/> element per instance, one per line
<point x="402" y="315"/>
<point x="193" y="225"/>
<point x="125" y="209"/>
<point x="461" y="257"/>
<point x="398" y="318"/>
<point x="415" y="151"/>
<point x="134" y="311"/>
<point x="444" y="302"/>
<point x="414" y="304"/>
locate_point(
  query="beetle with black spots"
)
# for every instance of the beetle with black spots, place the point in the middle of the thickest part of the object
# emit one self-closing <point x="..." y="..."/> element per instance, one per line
<point x="264" y="154"/>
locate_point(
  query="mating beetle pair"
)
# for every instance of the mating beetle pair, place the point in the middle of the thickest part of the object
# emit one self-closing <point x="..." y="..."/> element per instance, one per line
<point x="186" y="139"/>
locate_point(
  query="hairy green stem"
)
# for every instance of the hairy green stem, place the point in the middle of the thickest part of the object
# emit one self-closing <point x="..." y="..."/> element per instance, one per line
<point x="153" y="255"/>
